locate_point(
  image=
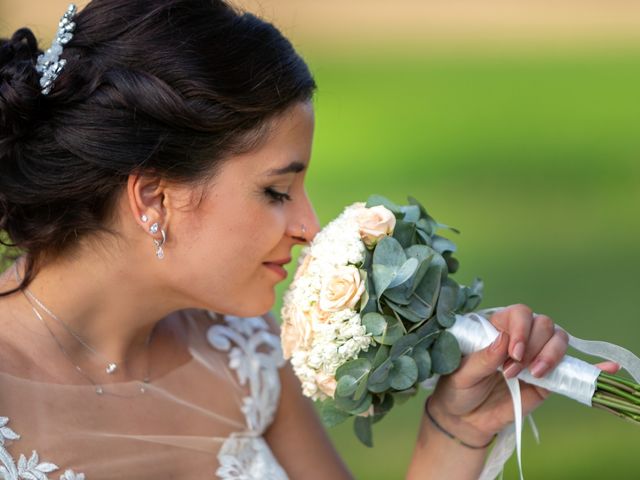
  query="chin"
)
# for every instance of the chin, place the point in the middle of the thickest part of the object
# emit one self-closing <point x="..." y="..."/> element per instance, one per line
<point x="256" y="306"/>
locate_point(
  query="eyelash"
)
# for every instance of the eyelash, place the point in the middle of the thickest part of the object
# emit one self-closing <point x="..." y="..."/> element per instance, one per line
<point x="276" y="196"/>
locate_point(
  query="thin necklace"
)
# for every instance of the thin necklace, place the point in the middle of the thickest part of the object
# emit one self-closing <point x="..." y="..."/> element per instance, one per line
<point x="111" y="366"/>
<point x="99" y="388"/>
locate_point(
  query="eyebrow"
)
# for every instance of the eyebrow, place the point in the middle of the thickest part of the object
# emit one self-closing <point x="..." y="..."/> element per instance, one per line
<point x="293" y="167"/>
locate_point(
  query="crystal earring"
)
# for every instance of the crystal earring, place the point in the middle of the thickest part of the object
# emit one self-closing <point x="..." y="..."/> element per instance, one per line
<point x="159" y="243"/>
<point x="154" y="228"/>
<point x="144" y="218"/>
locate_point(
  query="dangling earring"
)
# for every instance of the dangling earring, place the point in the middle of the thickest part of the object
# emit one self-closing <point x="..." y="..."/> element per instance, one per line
<point x="158" y="243"/>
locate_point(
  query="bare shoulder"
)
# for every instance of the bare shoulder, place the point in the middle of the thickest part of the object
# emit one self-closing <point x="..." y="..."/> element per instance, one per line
<point x="297" y="437"/>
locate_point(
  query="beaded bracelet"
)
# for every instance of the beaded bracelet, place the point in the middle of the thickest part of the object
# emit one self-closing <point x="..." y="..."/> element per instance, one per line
<point x="449" y="434"/>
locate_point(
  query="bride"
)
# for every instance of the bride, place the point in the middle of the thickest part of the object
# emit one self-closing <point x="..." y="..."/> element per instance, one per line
<point x="153" y="179"/>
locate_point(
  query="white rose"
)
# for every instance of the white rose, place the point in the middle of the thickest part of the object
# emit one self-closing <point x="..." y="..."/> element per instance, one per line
<point x="342" y="289"/>
<point x="375" y="223"/>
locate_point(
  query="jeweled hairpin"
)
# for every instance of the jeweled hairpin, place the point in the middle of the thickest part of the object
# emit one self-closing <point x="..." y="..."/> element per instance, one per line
<point x="49" y="64"/>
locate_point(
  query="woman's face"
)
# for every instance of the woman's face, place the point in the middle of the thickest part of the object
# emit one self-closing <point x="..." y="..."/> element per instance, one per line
<point x="227" y="254"/>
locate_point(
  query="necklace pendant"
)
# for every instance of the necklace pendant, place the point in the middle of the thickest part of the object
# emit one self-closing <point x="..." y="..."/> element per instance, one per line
<point x="142" y="389"/>
<point x="111" y="368"/>
<point x="99" y="390"/>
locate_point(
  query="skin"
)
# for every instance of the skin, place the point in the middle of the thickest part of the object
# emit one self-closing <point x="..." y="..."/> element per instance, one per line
<point x="114" y="291"/>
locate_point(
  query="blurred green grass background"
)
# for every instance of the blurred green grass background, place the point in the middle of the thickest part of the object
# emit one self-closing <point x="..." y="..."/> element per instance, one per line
<point x="531" y="149"/>
<point x="535" y="159"/>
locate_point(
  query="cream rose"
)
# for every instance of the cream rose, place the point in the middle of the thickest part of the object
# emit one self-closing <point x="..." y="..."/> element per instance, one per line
<point x="342" y="289"/>
<point x="296" y="331"/>
<point x="375" y="223"/>
<point x="326" y="383"/>
<point x="304" y="266"/>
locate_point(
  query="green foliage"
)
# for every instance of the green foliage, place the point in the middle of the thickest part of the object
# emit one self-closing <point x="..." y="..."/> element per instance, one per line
<point x="410" y="301"/>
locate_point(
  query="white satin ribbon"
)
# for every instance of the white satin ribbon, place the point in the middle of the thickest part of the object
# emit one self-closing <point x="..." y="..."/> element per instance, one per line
<point x="572" y="377"/>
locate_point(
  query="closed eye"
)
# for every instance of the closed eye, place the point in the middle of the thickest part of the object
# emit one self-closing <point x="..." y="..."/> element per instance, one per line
<point x="277" y="196"/>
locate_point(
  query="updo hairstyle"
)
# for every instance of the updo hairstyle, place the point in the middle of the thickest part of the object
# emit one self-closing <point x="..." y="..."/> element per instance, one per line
<point x="170" y="87"/>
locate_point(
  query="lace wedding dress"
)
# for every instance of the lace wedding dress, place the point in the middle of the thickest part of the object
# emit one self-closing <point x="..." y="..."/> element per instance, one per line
<point x="171" y="430"/>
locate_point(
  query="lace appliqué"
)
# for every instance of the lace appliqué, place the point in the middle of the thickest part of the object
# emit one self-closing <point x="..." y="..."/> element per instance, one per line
<point x="246" y="455"/>
<point x="31" y="469"/>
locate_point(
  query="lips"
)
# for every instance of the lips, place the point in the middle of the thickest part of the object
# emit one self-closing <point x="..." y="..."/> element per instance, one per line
<point x="277" y="266"/>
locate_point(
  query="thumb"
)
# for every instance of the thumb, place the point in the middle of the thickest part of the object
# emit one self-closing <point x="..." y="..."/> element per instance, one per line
<point x="484" y="363"/>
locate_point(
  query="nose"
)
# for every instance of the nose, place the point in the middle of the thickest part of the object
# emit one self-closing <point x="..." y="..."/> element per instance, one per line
<point x="304" y="224"/>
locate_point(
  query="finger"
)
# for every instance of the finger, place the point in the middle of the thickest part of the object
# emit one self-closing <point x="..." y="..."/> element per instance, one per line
<point x="517" y="320"/>
<point x="550" y="355"/>
<point x="609" y="367"/>
<point x="482" y="364"/>
<point x="541" y="332"/>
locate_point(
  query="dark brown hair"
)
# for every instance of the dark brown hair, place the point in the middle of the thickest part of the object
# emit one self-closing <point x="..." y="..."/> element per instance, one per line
<point x="167" y="86"/>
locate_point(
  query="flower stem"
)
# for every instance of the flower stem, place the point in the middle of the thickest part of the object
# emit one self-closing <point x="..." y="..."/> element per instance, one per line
<point x="619" y="392"/>
<point x="618" y="405"/>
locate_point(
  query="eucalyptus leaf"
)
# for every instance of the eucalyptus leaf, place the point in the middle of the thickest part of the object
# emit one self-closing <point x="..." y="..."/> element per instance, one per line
<point x="452" y="263"/>
<point x="374" y="323"/>
<point x="371" y="304"/>
<point x="362" y="387"/>
<point x="404" y="373"/>
<point x="332" y="415"/>
<point x="383" y="385"/>
<point x="447" y="303"/>
<point x="428" y="333"/>
<point x="406" y="271"/>
<point x="423" y="362"/>
<point x="445" y="354"/>
<point x="405" y="312"/>
<point x="400" y="295"/>
<point x="405" y="233"/>
<point x="411" y="213"/>
<point x="383" y="275"/>
<point x="351" y="405"/>
<point x="419" y="252"/>
<point x="357" y="368"/>
<point x="447" y="227"/>
<point x="403" y="396"/>
<point x="423" y="237"/>
<point x="375" y="200"/>
<point x="403" y="346"/>
<point x="362" y="405"/>
<point x="381" y="355"/>
<point x="363" y="430"/>
<point x="381" y="372"/>
<point x="346" y="386"/>
<point x="424" y="226"/>
<point x="389" y="252"/>
<point x="428" y="289"/>
<point x="441" y="244"/>
<point x="393" y="331"/>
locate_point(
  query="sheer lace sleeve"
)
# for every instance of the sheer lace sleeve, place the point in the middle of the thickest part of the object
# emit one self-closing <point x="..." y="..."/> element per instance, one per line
<point x="202" y="419"/>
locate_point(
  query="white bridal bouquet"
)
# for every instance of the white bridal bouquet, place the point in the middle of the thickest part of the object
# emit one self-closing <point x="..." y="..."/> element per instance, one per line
<point x="373" y="312"/>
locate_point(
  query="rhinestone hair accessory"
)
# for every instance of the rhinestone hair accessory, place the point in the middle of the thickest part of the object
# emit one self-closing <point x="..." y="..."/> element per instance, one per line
<point x="49" y="64"/>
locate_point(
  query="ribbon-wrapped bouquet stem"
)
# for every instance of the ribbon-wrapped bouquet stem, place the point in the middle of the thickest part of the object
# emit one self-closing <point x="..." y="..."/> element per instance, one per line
<point x="373" y="312"/>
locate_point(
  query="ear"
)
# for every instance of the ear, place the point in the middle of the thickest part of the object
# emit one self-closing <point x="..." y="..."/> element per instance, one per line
<point x="147" y="195"/>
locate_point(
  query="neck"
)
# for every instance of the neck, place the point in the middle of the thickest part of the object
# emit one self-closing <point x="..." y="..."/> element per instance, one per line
<point x="112" y="307"/>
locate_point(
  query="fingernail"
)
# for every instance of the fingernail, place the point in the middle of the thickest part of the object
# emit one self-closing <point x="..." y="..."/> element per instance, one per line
<point x="512" y="370"/>
<point x="538" y="368"/>
<point x="518" y="352"/>
<point x="496" y="343"/>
